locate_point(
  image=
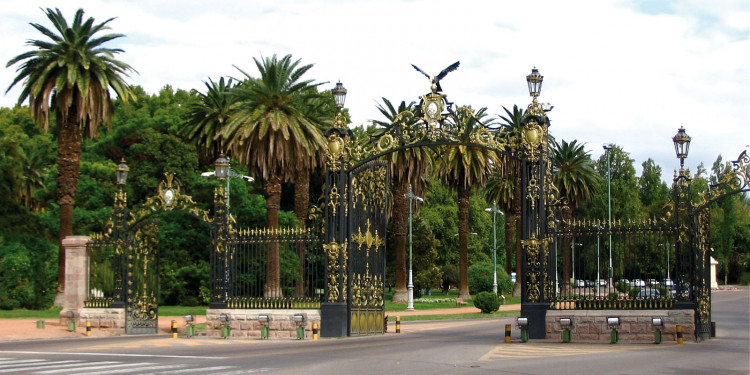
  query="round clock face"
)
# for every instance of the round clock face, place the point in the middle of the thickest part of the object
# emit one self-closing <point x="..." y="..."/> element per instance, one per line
<point x="432" y="109"/>
<point x="168" y="197"/>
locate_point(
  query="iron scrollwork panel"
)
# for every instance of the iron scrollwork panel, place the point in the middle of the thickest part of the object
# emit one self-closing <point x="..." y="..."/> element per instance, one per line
<point x="141" y="315"/>
<point x="367" y="227"/>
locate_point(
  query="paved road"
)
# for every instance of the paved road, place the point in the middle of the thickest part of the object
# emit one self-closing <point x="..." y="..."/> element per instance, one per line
<point x="443" y="347"/>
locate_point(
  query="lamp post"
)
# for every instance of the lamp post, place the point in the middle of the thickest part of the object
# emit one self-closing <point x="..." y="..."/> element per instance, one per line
<point x="607" y="148"/>
<point x="223" y="170"/>
<point x="494" y="211"/>
<point x="681" y="145"/>
<point x="121" y="173"/>
<point x="410" y="286"/>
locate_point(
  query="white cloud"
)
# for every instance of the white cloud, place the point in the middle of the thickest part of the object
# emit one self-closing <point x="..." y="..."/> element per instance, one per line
<point x="614" y="72"/>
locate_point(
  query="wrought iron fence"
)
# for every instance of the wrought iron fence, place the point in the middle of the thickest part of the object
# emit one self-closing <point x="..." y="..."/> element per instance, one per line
<point x="297" y="281"/>
<point x="103" y="271"/>
<point x="635" y="265"/>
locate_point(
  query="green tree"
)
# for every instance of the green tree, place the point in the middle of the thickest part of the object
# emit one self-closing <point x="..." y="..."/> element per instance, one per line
<point x="509" y="184"/>
<point x="653" y="192"/>
<point x="462" y="167"/>
<point x="268" y="132"/>
<point x="207" y="117"/>
<point x="71" y="74"/>
<point x="577" y="181"/>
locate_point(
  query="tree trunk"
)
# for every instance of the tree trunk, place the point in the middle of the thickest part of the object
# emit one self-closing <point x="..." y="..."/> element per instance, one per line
<point x="301" y="204"/>
<point x="273" y="272"/>
<point x="68" y="171"/>
<point x="463" y="241"/>
<point x="400" y="226"/>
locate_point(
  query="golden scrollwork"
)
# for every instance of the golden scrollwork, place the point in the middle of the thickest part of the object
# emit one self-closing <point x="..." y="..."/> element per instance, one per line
<point x="336" y="254"/>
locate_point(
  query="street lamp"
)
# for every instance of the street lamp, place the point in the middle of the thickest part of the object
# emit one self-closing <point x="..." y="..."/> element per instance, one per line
<point x="339" y="94"/>
<point x="494" y="211"/>
<point x="410" y="286"/>
<point x="223" y="170"/>
<point x="534" y="80"/>
<point x="121" y="173"/>
<point x="607" y="148"/>
<point x="681" y="145"/>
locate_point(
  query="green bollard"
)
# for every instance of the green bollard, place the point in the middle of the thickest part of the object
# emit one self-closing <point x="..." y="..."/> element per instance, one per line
<point x="71" y="325"/>
<point x="40" y="324"/>
<point x="613" y="337"/>
<point x="524" y="335"/>
<point x="300" y="333"/>
<point x="189" y="330"/>
<point x="264" y="332"/>
<point x="225" y="331"/>
<point x="566" y="336"/>
<point x="657" y="336"/>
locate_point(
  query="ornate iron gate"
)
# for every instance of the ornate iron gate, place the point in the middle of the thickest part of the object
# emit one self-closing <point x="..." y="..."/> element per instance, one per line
<point x="142" y="275"/>
<point x="367" y="228"/>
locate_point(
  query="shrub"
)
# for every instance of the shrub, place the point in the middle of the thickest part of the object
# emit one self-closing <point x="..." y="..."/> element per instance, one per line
<point x="623" y="287"/>
<point x="634" y="292"/>
<point x="488" y="302"/>
<point x="663" y="290"/>
<point x="480" y="279"/>
<point x="614" y="296"/>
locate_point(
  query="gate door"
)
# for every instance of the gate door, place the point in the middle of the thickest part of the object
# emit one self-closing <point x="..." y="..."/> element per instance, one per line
<point x="142" y="279"/>
<point x="367" y="231"/>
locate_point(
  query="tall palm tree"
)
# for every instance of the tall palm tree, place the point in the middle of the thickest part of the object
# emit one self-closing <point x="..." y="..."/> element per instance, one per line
<point x="577" y="180"/>
<point x="463" y="167"/>
<point x="408" y="166"/>
<point x="207" y="117"/>
<point x="271" y="134"/>
<point x="71" y="74"/>
<point x="512" y="177"/>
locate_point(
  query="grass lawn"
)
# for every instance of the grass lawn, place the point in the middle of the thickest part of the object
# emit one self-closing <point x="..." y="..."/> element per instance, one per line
<point x="437" y="300"/>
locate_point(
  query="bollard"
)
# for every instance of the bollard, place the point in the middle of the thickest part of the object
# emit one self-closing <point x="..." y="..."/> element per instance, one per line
<point x="657" y="336"/>
<point x="613" y="336"/>
<point x="398" y="324"/>
<point x="88" y="328"/>
<point x="71" y="325"/>
<point x="385" y="324"/>
<point x="679" y="335"/>
<point x="189" y="330"/>
<point x="507" y="333"/>
<point x="713" y="329"/>
<point x="226" y="331"/>
<point x="315" y="332"/>
<point x="566" y="335"/>
<point x="40" y="324"/>
<point x="300" y="333"/>
<point x="174" y="329"/>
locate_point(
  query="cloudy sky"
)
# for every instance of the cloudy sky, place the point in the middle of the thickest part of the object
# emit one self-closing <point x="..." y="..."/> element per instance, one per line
<point x="628" y="72"/>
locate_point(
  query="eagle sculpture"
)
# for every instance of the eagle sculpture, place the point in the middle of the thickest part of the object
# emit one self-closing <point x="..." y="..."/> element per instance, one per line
<point x="435" y="80"/>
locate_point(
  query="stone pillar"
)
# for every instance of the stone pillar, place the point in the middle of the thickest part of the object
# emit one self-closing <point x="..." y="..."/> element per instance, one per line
<point x="714" y="283"/>
<point x="76" y="276"/>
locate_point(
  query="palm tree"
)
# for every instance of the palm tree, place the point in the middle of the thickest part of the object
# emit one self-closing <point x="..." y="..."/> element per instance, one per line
<point x="207" y="117"/>
<point x="269" y="132"/>
<point x="462" y="167"/>
<point x="512" y="176"/>
<point x="408" y="166"/>
<point x="577" y="180"/>
<point x="72" y="74"/>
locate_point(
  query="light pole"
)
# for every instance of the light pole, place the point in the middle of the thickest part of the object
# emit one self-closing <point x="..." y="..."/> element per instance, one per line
<point x="494" y="211"/>
<point x="410" y="286"/>
<point x="607" y="148"/>
<point x="223" y="170"/>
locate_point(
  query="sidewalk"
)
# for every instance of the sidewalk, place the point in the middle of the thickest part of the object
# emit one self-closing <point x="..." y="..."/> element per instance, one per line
<point x="25" y="329"/>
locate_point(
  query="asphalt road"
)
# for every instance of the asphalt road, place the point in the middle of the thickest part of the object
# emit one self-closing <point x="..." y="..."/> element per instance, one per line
<point x="441" y="347"/>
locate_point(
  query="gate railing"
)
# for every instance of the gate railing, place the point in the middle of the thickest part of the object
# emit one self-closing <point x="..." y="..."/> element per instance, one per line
<point x="301" y="273"/>
<point x="647" y="270"/>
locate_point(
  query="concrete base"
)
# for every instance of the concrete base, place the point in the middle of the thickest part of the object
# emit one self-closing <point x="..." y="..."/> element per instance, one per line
<point x="245" y="323"/>
<point x="635" y="325"/>
<point x="103" y="318"/>
<point x="334" y="320"/>
<point x="536" y="312"/>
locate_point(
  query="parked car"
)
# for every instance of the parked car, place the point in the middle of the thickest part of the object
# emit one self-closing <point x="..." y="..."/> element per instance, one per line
<point x="602" y="282"/>
<point x="668" y="283"/>
<point x="580" y="283"/>
<point x="637" y="283"/>
<point x="648" y="294"/>
<point x="652" y="282"/>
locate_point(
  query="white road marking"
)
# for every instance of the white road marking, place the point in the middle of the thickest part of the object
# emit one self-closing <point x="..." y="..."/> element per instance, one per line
<point x="85" y="367"/>
<point x="112" y="355"/>
<point x="189" y="370"/>
<point x="44" y="365"/>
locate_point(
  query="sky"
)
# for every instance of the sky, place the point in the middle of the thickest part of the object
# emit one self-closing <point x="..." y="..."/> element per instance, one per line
<point x="628" y="72"/>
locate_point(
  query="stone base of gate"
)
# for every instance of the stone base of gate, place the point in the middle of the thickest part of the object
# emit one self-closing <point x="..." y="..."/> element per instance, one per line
<point x="245" y="323"/>
<point x="635" y="325"/>
<point x="102" y="318"/>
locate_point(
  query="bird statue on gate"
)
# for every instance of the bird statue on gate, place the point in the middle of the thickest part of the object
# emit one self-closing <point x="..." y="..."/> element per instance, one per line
<point x="435" y="80"/>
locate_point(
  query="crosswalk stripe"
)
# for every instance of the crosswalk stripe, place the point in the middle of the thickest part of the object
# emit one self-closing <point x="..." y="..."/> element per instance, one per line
<point x="134" y="370"/>
<point x="189" y="370"/>
<point x="18" y="362"/>
<point x="93" y="366"/>
<point x="44" y="365"/>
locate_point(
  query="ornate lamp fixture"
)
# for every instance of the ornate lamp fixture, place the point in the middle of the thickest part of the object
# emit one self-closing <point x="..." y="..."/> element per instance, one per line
<point x="535" y="83"/>
<point x="121" y="174"/>
<point x="221" y="166"/>
<point x="339" y="94"/>
<point x="681" y="145"/>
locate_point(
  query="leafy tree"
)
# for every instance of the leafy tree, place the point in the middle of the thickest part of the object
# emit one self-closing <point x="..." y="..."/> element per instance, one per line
<point x="653" y="192"/>
<point x="73" y="74"/>
<point x="270" y="134"/>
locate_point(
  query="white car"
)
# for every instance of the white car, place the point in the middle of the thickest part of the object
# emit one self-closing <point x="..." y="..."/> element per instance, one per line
<point x="637" y="283"/>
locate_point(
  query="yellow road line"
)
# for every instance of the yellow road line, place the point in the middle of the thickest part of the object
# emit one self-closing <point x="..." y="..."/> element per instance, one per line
<point x="519" y="351"/>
